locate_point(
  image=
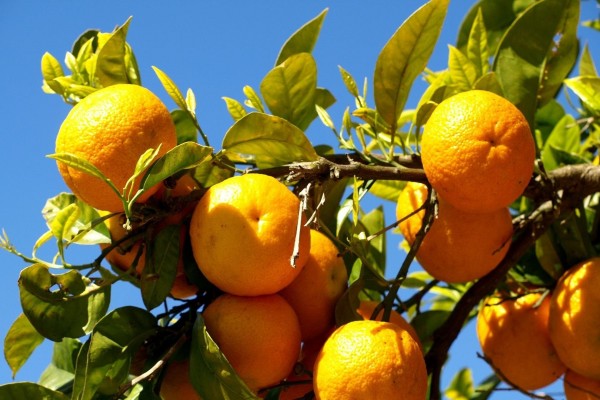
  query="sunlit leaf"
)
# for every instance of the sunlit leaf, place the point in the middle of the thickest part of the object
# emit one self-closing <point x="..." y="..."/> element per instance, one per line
<point x="20" y="342"/>
<point x="82" y="230"/>
<point x="235" y="108"/>
<point x="497" y="16"/>
<point x="463" y="72"/>
<point x="587" y="88"/>
<point x="28" y="390"/>
<point x="303" y="40"/>
<point x="477" y="45"/>
<point x="110" y="65"/>
<point x="461" y="386"/>
<point x="586" y="63"/>
<point x="171" y="88"/>
<point x="349" y="82"/>
<point x="77" y="302"/>
<point x="387" y="190"/>
<point x="547" y="255"/>
<point x="253" y="100"/>
<point x="289" y="88"/>
<point x="521" y="65"/>
<point x="268" y="141"/>
<point x="404" y="57"/>
<point x="214" y="377"/>
<point x="186" y="155"/>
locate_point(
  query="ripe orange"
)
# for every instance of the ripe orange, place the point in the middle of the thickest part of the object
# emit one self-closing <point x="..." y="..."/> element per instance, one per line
<point x="111" y="128"/>
<point x="513" y="334"/>
<point x="460" y="246"/>
<point x="243" y="233"/>
<point x="259" y="336"/>
<point x="575" y="316"/>
<point x="176" y="383"/>
<point x="478" y="151"/>
<point x="124" y="255"/>
<point x="367" y="307"/>
<point x="315" y="291"/>
<point x="412" y="197"/>
<point x="579" y="387"/>
<point x="370" y="360"/>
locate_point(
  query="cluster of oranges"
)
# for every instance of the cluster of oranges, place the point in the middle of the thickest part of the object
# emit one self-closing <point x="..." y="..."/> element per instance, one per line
<point x="533" y="339"/>
<point x="478" y="154"/>
<point x="279" y="280"/>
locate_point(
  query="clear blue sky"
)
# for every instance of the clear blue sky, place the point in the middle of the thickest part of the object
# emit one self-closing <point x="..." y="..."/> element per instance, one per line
<point x="213" y="47"/>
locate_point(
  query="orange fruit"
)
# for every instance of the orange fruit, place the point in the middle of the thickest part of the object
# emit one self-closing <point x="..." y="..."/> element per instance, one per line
<point x="367" y="307"/>
<point x="370" y="360"/>
<point x="412" y="197"/>
<point x="314" y="292"/>
<point x="243" y="233"/>
<point x="176" y="383"/>
<point x="460" y="246"/>
<point x="478" y="151"/>
<point x="579" y="387"/>
<point x="259" y="336"/>
<point x="111" y="128"/>
<point x="124" y="255"/>
<point x="513" y="334"/>
<point x="575" y="316"/>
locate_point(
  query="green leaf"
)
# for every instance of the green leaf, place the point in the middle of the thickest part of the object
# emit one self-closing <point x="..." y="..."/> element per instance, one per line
<point x="235" y="108"/>
<point x="387" y="190"/>
<point x="522" y="65"/>
<point x="268" y="141"/>
<point x="547" y="255"/>
<point x="253" y="99"/>
<point x="104" y="360"/>
<point x="461" y="386"/>
<point x="486" y="388"/>
<point x="489" y="82"/>
<point x="349" y="82"/>
<point x="303" y="40"/>
<point x="85" y="166"/>
<point x="497" y="16"/>
<point x="208" y="173"/>
<point x="51" y="67"/>
<point x="82" y="229"/>
<point x="171" y="88"/>
<point x="28" y="390"/>
<point x="348" y="303"/>
<point x="463" y="72"/>
<point x="586" y="63"/>
<point x="20" y="342"/>
<point x="374" y="223"/>
<point x="110" y="64"/>
<point x="404" y="57"/>
<point x="562" y="55"/>
<point x="161" y="266"/>
<point x="77" y="302"/>
<point x="477" y="45"/>
<point x="186" y="155"/>
<point x="185" y="126"/>
<point x="566" y="137"/>
<point x="587" y="88"/>
<point x="214" y="377"/>
<point x="61" y="371"/>
<point x="289" y="88"/>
